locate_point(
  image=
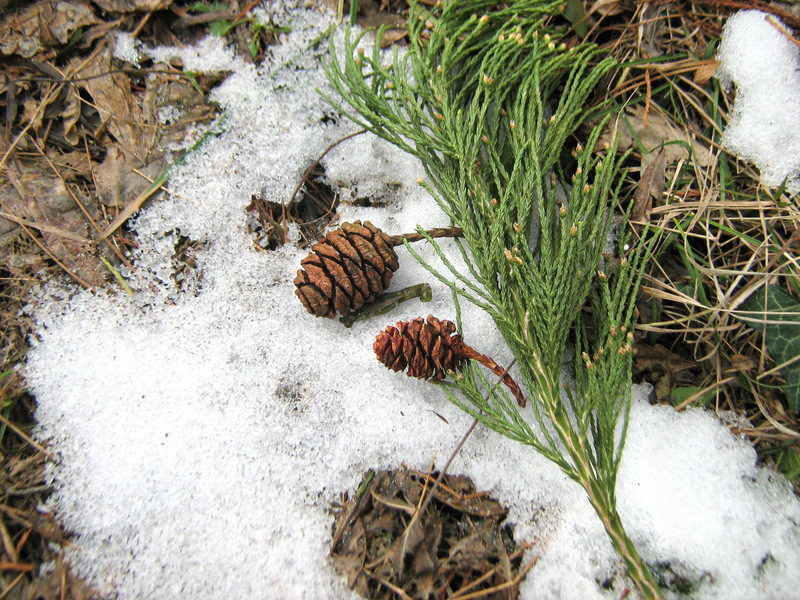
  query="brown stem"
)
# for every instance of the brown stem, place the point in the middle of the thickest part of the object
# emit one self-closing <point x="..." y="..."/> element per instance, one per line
<point x="398" y="240"/>
<point x="466" y="351"/>
<point x="288" y="205"/>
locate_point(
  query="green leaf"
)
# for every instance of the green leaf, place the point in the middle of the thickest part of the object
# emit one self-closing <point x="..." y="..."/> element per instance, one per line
<point x="788" y="461"/>
<point x="254" y="45"/>
<point x="220" y="28"/>
<point x="681" y="394"/>
<point x="776" y="315"/>
<point x="574" y="13"/>
<point x="193" y="80"/>
<point x="202" y="7"/>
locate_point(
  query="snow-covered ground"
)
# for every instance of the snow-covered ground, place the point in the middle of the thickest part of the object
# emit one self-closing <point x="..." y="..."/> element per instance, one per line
<point x="202" y="435"/>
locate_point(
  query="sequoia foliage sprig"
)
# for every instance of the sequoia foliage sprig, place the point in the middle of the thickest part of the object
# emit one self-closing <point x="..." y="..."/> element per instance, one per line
<point x="487" y="98"/>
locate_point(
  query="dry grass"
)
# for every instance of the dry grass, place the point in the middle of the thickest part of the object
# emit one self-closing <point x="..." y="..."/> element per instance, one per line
<point x="723" y="238"/>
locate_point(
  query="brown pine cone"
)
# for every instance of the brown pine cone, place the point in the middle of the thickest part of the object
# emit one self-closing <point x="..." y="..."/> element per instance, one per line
<point x="352" y="266"/>
<point x="430" y="349"/>
<point x="427" y="348"/>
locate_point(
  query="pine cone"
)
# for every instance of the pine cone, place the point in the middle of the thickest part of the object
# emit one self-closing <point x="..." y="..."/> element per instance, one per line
<point x="427" y="348"/>
<point x="430" y="350"/>
<point x="352" y="266"/>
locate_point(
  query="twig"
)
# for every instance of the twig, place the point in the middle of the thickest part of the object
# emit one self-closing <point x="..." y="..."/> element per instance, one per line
<point x="502" y="586"/>
<point x="43" y="227"/>
<point x="11" y="586"/>
<point x="25" y="437"/>
<point x="247" y="9"/>
<point x="439" y="232"/>
<point x="782" y="29"/>
<point x="303" y="179"/>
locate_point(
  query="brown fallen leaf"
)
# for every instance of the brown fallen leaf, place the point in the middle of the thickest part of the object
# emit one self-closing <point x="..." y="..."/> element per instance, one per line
<point x="110" y="92"/>
<point x="480" y="550"/>
<point x="349" y="559"/>
<point x="705" y="70"/>
<point x="658" y="131"/>
<point x="42" y="25"/>
<point x="743" y="364"/>
<point x="127" y="6"/>
<point x="121" y="178"/>
<point x="651" y="186"/>
<point x="658" y="357"/>
<point x="606" y="8"/>
<point x="34" y="193"/>
<point x="432" y="554"/>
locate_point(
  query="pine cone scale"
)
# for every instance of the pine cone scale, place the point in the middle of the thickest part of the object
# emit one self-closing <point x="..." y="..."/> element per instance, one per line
<point x="316" y="273"/>
<point x="358" y="278"/>
<point x="372" y="255"/>
<point x="311" y="297"/>
<point x="337" y="276"/>
<point x="341" y="244"/>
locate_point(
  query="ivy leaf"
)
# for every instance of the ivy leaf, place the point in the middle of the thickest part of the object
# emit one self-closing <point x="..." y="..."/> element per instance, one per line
<point x="776" y="315"/>
<point x="575" y="14"/>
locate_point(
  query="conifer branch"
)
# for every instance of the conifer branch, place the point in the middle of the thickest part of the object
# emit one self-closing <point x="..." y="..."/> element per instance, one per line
<point x="487" y="98"/>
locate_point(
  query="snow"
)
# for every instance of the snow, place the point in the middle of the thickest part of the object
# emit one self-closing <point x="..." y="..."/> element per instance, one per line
<point x="203" y="435"/>
<point x="764" y="125"/>
<point x="126" y="47"/>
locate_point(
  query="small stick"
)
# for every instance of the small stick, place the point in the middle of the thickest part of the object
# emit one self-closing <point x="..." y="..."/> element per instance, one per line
<point x="439" y="232"/>
<point x="387" y="303"/>
<point x="469" y="352"/>
<point x="288" y="205"/>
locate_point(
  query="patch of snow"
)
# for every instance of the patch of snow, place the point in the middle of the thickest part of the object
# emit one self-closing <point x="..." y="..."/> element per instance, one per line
<point x="764" y="125"/>
<point x="126" y="47"/>
<point x="202" y="436"/>
<point x="168" y="115"/>
<point x="209" y="55"/>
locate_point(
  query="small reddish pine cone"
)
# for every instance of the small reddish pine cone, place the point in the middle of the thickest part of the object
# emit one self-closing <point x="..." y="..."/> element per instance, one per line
<point x="430" y="349"/>
<point x="350" y="267"/>
<point x="427" y="348"/>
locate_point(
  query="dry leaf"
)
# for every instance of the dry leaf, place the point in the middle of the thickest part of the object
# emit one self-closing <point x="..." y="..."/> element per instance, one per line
<point x="126" y="6"/>
<point x="28" y="31"/>
<point x="71" y="114"/>
<point x="658" y="131"/>
<point x="34" y="193"/>
<point x="743" y="364"/>
<point x="705" y="70"/>
<point x="651" y="186"/>
<point x="606" y="8"/>
<point x="391" y="36"/>
<point x="111" y="95"/>
<point x="660" y="359"/>
<point x="120" y="178"/>
<point x="352" y="550"/>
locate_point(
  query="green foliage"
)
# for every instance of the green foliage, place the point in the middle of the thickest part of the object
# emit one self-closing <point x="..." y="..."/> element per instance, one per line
<point x="575" y="13"/>
<point x="220" y="28"/>
<point x="776" y="315"/>
<point x="487" y="98"/>
<point x="202" y="7"/>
